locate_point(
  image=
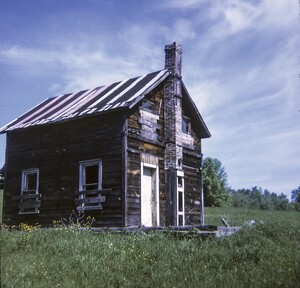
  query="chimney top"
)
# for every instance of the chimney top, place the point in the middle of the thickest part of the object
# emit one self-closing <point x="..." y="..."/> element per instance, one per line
<point x="173" y="54"/>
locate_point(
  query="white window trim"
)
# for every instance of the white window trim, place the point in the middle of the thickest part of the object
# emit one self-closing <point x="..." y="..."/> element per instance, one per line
<point x="180" y="190"/>
<point x="144" y="164"/>
<point x="24" y="178"/>
<point x="24" y="191"/>
<point x="82" y="165"/>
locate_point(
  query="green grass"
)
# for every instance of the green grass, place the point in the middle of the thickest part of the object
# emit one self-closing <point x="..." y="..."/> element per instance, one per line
<point x="238" y="217"/>
<point x="266" y="255"/>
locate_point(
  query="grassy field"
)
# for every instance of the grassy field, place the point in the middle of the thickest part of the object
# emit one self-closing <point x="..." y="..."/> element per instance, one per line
<point x="264" y="255"/>
<point x="237" y="217"/>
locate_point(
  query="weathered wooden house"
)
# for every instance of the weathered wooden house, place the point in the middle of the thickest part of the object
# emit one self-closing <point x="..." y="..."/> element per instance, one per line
<point x="128" y="153"/>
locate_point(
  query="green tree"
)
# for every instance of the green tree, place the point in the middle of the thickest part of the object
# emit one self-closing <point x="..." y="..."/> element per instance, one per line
<point x="257" y="198"/>
<point x="296" y="198"/>
<point x="216" y="190"/>
<point x="240" y="198"/>
<point x="296" y="195"/>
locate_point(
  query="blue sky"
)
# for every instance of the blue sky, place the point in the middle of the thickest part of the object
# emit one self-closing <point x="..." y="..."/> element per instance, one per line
<point x="240" y="65"/>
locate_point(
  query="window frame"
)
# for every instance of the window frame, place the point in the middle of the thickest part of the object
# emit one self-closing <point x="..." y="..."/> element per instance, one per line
<point x="82" y="181"/>
<point x="186" y="126"/>
<point x="148" y="105"/>
<point x="180" y="206"/>
<point x="27" y="172"/>
<point x="27" y="196"/>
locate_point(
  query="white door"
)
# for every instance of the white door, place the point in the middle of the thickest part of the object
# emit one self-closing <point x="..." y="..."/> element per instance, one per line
<point x="149" y="197"/>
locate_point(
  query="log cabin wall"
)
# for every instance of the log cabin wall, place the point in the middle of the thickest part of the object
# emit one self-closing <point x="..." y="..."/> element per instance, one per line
<point x="140" y="143"/>
<point x="145" y="143"/>
<point x="192" y="183"/>
<point x="56" y="151"/>
<point x="192" y="158"/>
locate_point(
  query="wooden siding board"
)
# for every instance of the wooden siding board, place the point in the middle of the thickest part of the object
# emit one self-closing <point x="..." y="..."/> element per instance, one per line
<point x="124" y="171"/>
<point x="192" y="186"/>
<point x="133" y="189"/>
<point x="56" y="150"/>
<point x="140" y="142"/>
<point x="192" y="158"/>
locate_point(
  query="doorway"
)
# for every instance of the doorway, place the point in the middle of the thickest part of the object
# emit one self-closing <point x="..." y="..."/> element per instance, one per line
<point x="149" y="195"/>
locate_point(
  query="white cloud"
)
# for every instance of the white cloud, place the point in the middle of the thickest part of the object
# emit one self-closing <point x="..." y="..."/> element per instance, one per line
<point x="22" y="55"/>
<point x="79" y="67"/>
<point x="280" y="14"/>
<point x="184" y="29"/>
<point x="240" y="15"/>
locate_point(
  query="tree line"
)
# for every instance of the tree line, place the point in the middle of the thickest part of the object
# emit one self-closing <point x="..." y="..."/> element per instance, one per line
<point x="218" y="193"/>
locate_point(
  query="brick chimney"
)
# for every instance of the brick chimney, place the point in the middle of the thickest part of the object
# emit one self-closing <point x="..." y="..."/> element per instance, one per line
<point x="173" y="129"/>
<point x="173" y="58"/>
<point x="173" y="107"/>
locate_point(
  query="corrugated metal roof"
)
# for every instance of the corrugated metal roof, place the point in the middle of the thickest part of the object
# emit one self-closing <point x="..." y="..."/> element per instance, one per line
<point x="121" y="94"/>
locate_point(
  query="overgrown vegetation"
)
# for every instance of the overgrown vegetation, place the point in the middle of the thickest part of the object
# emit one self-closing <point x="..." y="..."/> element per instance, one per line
<point x="264" y="255"/>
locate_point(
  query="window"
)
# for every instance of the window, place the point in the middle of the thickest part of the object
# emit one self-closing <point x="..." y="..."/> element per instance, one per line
<point x="91" y="176"/>
<point x="179" y="182"/>
<point x="30" y="200"/>
<point x="180" y="199"/>
<point x="186" y="125"/>
<point x="148" y="105"/>
<point x="90" y="185"/>
<point x="30" y="180"/>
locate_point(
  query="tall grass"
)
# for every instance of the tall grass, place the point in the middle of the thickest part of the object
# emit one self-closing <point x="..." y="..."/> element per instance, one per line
<point x="264" y="255"/>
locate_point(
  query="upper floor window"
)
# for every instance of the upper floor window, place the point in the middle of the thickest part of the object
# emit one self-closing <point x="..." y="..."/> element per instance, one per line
<point x="148" y="105"/>
<point x="186" y="125"/>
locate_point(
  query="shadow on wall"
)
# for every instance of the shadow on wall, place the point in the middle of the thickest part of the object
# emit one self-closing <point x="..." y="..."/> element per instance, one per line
<point x="1" y="201"/>
<point x="1" y="192"/>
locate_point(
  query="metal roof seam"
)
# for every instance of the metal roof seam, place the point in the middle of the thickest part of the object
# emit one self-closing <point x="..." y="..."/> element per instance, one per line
<point x="126" y="90"/>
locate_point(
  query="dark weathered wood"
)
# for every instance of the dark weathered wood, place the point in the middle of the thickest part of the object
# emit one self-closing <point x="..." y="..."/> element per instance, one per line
<point x="31" y="212"/>
<point x="124" y="172"/>
<point x="27" y="196"/>
<point x="89" y="208"/>
<point x="30" y="204"/>
<point x="93" y="192"/>
<point x="56" y="150"/>
<point x="90" y="200"/>
<point x="139" y="141"/>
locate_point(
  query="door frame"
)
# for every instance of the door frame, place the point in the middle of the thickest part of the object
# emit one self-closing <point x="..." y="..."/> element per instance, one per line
<point x="156" y="192"/>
